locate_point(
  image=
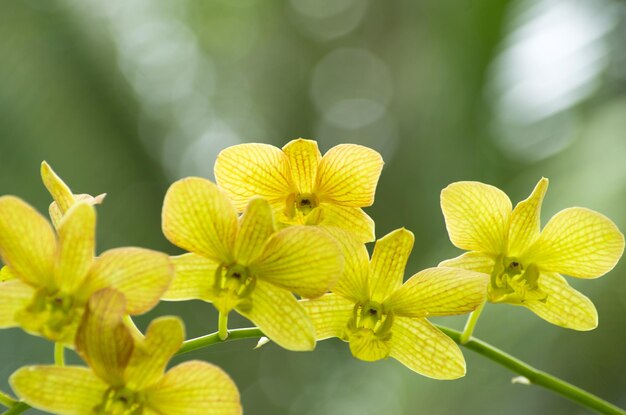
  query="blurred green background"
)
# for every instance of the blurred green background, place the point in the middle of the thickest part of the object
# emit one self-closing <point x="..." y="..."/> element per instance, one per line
<point x="125" y="97"/>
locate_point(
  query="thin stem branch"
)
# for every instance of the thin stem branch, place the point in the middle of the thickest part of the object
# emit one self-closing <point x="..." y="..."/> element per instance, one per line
<point x="59" y="354"/>
<point x="214" y="338"/>
<point x="471" y="324"/>
<point x="534" y="376"/>
<point x="18" y="408"/>
<point x="223" y="326"/>
<point x="6" y="400"/>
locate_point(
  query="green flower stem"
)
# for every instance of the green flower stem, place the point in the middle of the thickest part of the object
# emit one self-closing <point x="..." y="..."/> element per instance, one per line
<point x="59" y="354"/>
<point x="223" y="326"/>
<point x="211" y="339"/>
<point x="471" y="323"/>
<point x="537" y="377"/>
<point x="6" y="400"/>
<point x="17" y="409"/>
<point x="534" y="376"/>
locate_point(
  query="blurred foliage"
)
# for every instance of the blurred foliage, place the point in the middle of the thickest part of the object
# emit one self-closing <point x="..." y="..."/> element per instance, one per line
<point x="125" y="97"/>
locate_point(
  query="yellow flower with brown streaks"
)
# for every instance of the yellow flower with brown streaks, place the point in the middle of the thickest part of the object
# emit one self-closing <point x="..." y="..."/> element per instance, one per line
<point x="126" y="375"/>
<point x="380" y="316"/>
<point x="52" y="277"/>
<point x="242" y="263"/>
<point x="302" y="186"/>
<point x="525" y="263"/>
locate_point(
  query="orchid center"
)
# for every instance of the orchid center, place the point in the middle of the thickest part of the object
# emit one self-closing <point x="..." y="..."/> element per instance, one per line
<point x="513" y="281"/>
<point x="371" y="319"/>
<point x="53" y="314"/>
<point x="233" y="286"/>
<point x="120" y="401"/>
<point x="306" y="202"/>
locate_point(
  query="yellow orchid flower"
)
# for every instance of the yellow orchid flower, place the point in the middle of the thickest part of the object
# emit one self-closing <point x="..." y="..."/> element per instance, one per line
<point x="525" y="262"/>
<point x="244" y="264"/>
<point x="380" y="316"/>
<point x="54" y="277"/>
<point x="302" y="186"/>
<point x="62" y="195"/>
<point x="126" y="375"/>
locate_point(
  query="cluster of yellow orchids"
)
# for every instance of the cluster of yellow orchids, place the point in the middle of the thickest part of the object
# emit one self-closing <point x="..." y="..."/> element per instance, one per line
<point x="280" y="239"/>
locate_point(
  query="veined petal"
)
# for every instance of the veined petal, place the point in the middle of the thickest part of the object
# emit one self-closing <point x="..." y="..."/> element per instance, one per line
<point x="329" y="314"/>
<point x="473" y="261"/>
<point x="77" y="241"/>
<point x="198" y="217"/>
<point x="14" y="296"/>
<point x="302" y="259"/>
<point x="304" y="157"/>
<point x="103" y="340"/>
<point x="257" y="225"/>
<point x="140" y="274"/>
<point x="351" y="219"/>
<point x="368" y="347"/>
<point x="59" y="191"/>
<point x="389" y="259"/>
<point x="280" y="316"/>
<point x="151" y="355"/>
<point x="526" y="220"/>
<point x="55" y="211"/>
<point x="27" y="242"/>
<point x="348" y="175"/>
<point x="477" y="216"/>
<point x="194" y="277"/>
<point x="195" y="388"/>
<point x="423" y="348"/>
<point x="577" y="242"/>
<point x="352" y="284"/>
<point x="564" y="306"/>
<point x="68" y="390"/>
<point x="247" y="170"/>
<point x="439" y="292"/>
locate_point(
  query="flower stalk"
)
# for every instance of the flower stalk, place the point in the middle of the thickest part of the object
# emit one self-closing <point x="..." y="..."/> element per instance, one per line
<point x="59" y="354"/>
<point x="535" y="376"/>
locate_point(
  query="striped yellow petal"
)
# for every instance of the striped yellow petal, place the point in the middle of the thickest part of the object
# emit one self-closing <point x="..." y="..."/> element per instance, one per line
<point x="526" y="220"/>
<point x="27" y="242"/>
<point x="423" y="348"/>
<point x="329" y="314"/>
<point x="195" y="388"/>
<point x="348" y="174"/>
<point x="151" y="354"/>
<point x="577" y="242"/>
<point x="563" y="306"/>
<point x="198" y="217"/>
<point x="77" y="242"/>
<point x="14" y="296"/>
<point x="477" y="216"/>
<point x="302" y="259"/>
<point x="247" y="170"/>
<point x="103" y="340"/>
<point x="352" y="219"/>
<point x="352" y="284"/>
<point x="366" y="346"/>
<point x="68" y="390"/>
<point x="439" y="292"/>
<point x="304" y="157"/>
<point x="257" y="225"/>
<point x="194" y="276"/>
<point x="59" y="191"/>
<point x="473" y="261"/>
<point x="55" y="211"/>
<point x="389" y="259"/>
<point x="279" y="315"/>
<point x="140" y="274"/>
